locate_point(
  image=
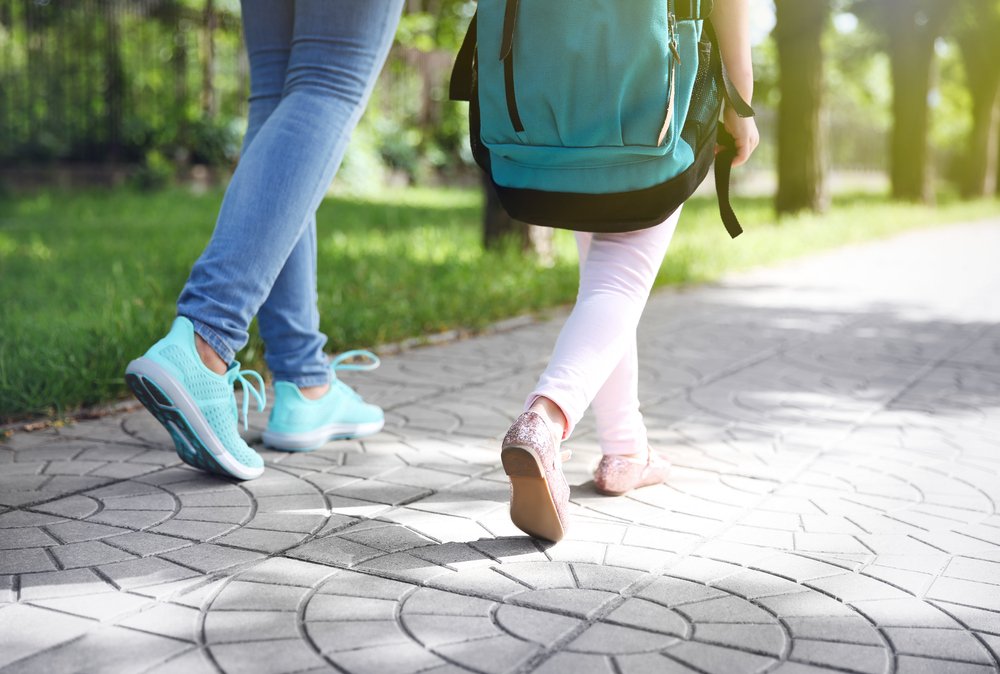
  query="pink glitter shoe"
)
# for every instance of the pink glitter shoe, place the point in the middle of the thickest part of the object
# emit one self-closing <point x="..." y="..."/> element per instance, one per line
<point x="539" y="491"/>
<point x="617" y="475"/>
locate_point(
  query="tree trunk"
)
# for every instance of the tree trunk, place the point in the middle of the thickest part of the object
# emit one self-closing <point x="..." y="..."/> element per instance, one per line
<point x="498" y="227"/>
<point x="179" y="60"/>
<point x="209" y="105"/>
<point x="115" y="83"/>
<point x="981" y="162"/>
<point x="913" y="28"/>
<point x="799" y="36"/>
<point x="976" y="37"/>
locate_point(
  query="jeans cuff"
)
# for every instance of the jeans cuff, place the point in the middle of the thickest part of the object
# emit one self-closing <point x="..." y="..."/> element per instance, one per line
<point x="305" y="381"/>
<point x="224" y="351"/>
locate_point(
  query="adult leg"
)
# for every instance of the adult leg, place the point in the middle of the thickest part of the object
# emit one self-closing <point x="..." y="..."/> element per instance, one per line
<point x="338" y="48"/>
<point x="289" y="318"/>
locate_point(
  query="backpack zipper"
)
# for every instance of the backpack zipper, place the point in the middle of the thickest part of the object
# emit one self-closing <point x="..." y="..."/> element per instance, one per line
<point x="507" y="57"/>
<point x="671" y="88"/>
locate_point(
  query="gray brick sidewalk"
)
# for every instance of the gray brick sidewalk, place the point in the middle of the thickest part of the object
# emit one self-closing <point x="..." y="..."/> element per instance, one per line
<point x="834" y="425"/>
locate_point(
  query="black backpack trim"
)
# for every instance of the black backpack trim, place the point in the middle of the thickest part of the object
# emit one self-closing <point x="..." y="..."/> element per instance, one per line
<point x="635" y="209"/>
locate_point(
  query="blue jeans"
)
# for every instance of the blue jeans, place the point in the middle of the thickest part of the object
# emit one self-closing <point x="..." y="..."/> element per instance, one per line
<point x="313" y="64"/>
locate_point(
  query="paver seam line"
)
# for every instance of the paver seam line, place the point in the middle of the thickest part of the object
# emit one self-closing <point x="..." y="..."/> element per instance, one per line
<point x="673" y="658"/>
<point x="397" y="616"/>
<point x="175" y="656"/>
<point x="995" y="663"/>
<point x="300" y="620"/>
<point x="53" y="647"/>
<point x="833" y="667"/>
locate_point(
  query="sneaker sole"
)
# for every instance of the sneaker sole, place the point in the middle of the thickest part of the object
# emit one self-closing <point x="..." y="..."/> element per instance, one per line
<point x="532" y="509"/>
<point x="196" y="443"/>
<point x="304" y="442"/>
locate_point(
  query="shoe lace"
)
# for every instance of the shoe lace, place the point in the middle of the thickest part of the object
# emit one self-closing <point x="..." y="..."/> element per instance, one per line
<point x="243" y="377"/>
<point x="342" y="363"/>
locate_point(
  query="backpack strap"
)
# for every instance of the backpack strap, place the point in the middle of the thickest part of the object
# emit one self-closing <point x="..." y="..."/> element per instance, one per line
<point x="692" y="10"/>
<point x="723" y="170"/>
<point x="460" y="87"/>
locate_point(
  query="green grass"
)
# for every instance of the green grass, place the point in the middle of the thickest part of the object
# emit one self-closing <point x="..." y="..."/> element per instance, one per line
<point x="88" y="279"/>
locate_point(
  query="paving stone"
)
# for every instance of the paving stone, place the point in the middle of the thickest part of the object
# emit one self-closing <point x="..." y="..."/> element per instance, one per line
<point x="852" y="657"/>
<point x="241" y="595"/>
<point x="387" y="538"/>
<point x="193" y="530"/>
<point x="399" y="659"/>
<point x="90" y="553"/>
<point x="169" y="620"/>
<point x="29" y="630"/>
<point x="284" y="571"/>
<point x="908" y="664"/>
<point x="261" y="540"/>
<point x="26" y="537"/>
<point x="493" y="656"/>
<point x="130" y="519"/>
<point x="335" y="607"/>
<point x="718" y="659"/>
<point x="971" y="593"/>
<point x="908" y="612"/>
<point x="762" y="639"/>
<point x="943" y="644"/>
<point x="102" y="606"/>
<point x="25" y="561"/>
<point x="848" y="629"/>
<point x="137" y="573"/>
<point x="635" y="612"/>
<point x="237" y="626"/>
<point x="77" y="532"/>
<point x="287" y="522"/>
<point x="194" y="661"/>
<point x="77" y="507"/>
<point x="335" y="551"/>
<point x="267" y="657"/>
<point x="208" y="557"/>
<point x="69" y="583"/>
<point x="8" y="589"/>
<point x="579" y="663"/>
<point x="578" y="603"/>
<point x="348" y="635"/>
<point x="353" y="584"/>
<point x="143" y="543"/>
<point x="435" y="631"/>
<point x="603" y="638"/>
<point x="607" y="578"/>
<point x="437" y="602"/>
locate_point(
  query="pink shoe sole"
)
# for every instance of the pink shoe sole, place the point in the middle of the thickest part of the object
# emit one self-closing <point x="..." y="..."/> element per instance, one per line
<point x="539" y="491"/>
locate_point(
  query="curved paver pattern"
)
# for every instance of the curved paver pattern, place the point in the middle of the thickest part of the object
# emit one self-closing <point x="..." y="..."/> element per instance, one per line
<point x="833" y="505"/>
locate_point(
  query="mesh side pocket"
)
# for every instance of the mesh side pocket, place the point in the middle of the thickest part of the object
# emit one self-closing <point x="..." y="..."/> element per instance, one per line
<point x="706" y="102"/>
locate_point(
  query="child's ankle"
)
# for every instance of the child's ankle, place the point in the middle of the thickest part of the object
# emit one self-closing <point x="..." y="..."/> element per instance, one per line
<point x="553" y="416"/>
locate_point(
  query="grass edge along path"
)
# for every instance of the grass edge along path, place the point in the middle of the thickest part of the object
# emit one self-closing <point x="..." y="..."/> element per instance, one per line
<point x="88" y="280"/>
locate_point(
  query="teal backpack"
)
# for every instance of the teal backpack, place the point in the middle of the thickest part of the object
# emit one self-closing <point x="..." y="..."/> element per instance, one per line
<point x="597" y="115"/>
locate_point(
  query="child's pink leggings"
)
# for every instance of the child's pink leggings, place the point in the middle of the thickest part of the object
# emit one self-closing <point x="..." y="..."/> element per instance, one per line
<point x="595" y="361"/>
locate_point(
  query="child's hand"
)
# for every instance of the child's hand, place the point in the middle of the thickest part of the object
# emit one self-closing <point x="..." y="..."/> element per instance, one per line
<point x="744" y="130"/>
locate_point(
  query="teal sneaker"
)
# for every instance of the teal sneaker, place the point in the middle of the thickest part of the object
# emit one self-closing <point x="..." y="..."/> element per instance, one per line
<point x="196" y="405"/>
<point x="298" y="424"/>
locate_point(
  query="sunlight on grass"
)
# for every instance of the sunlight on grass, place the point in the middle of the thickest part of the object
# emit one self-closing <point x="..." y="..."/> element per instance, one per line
<point x="88" y="280"/>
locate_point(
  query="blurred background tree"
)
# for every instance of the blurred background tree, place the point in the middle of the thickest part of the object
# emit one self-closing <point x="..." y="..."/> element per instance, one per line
<point x="153" y="91"/>
<point x="798" y="33"/>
